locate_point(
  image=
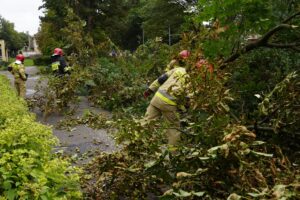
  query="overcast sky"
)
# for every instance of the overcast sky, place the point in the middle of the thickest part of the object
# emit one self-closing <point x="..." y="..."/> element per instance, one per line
<point x="23" y="13"/>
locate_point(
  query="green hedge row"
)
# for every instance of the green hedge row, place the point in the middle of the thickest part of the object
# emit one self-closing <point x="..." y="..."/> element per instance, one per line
<point x="28" y="168"/>
<point x="3" y="65"/>
<point x="42" y="61"/>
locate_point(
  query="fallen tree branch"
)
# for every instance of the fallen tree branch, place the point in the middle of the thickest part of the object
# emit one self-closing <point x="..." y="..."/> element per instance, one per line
<point x="270" y="129"/>
<point x="263" y="42"/>
<point x="296" y="48"/>
<point x="271" y="32"/>
<point x="288" y="45"/>
<point x="291" y="17"/>
<point x="262" y="128"/>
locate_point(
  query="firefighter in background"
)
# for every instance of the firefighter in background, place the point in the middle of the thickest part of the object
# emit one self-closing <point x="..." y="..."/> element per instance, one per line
<point x="180" y="57"/>
<point x="172" y="63"/>
<point x="205" y="68"/>
<point x="59" y="65"/>
<point x="17" y="69"/>
<point x="168" y="89"/>
<point x="60" y="69"/>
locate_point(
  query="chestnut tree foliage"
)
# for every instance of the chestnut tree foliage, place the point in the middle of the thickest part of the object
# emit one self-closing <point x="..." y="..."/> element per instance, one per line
<point x="240" y="135"/>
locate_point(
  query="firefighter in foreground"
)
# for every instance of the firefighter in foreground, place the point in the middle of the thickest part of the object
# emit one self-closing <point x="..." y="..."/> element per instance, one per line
<point x="168" y="89"/>
<point x="17" y="69"/>
<point x="176" y="59"/>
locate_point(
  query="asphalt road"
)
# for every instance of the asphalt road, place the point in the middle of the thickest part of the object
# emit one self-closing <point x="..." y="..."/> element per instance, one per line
<point x="82" y="143"/>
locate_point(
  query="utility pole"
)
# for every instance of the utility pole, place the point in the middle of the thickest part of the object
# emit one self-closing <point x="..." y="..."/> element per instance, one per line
<point x="143" y="37"/>
<point x="170" y="35"/>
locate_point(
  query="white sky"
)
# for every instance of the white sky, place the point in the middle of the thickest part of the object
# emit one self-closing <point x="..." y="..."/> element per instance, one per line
<point x="23" y="13"/>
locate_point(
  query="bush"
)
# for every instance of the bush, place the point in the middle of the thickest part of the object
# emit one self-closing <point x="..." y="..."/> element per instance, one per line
<point x="42" y="61"/>
<point x="116" y="85"/>
<point x="3" y="65"/>
<point x="28" y="169"/>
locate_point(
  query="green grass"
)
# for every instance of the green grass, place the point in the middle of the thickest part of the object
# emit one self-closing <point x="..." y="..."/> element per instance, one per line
<point x="10" y="60"/>
<point x="27" y="62"/>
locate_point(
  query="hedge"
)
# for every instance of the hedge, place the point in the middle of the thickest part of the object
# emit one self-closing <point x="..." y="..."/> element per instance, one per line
<point x="28" y="168"/>
<point x="42" y="61"/>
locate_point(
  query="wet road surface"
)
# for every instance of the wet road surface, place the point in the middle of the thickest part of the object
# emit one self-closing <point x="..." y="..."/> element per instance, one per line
<point x="82" y="142"/>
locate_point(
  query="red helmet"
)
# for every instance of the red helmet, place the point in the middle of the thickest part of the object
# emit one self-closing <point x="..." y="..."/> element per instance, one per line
<point x="184" y="54"/>
<point x="20" y="57"/>
<point x="203" y="64"/>
<point x="58" y="51"/>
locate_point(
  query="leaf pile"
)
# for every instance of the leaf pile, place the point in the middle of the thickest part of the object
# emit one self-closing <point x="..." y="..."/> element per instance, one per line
<point x="89" y="118"/>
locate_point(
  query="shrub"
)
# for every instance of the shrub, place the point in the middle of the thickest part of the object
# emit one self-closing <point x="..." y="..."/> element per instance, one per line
<point x="28" y="169"/>
<point x="3" y="65"/>
<point x="43" y="60"/>
<point x="115" y="85"/>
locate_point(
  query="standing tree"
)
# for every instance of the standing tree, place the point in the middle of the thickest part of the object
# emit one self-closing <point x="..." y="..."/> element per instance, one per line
<point x="14" y="40"/>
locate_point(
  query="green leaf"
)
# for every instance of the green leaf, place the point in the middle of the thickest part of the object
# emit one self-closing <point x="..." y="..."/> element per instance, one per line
<point x="90" y="83"/>
<point x="255" y="194"/>
<point x="7" y="184"/>
<point x="204" y="158"/>
<point x="44" y="197"/>
<point x="258" y="143"/>
<point x="168" y="192"/>
<point x="150" y="164"/>
<point x="182" y="193"/>
<point x="234" y="196"/>
<point x="11" y="194"/>
<point x="183" y="175"/>
<point x="198" y="194"/>
<point x="262" y="154"/>
<point x="133" y="169"/>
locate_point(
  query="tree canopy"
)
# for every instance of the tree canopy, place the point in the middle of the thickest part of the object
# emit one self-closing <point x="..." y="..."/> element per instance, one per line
<point x="14" y="40"/>
<point x="240" y="135"/>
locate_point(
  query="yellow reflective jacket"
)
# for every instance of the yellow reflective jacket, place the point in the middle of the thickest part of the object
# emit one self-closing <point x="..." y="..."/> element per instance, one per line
<point x="18" y="70"/>
<point x="171" y="85"/>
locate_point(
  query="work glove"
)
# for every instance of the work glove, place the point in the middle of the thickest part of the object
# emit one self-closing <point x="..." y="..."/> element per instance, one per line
<point x="67" y="70"/>
<point x="9" y="68"/>
<point x="147" y="93"/>
<point x="26" y="77"/>
<point x="187" y="104"/>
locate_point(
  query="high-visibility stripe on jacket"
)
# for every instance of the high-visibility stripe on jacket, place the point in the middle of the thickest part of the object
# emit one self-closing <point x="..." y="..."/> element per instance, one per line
<point x="172" y="86"/>
<point x="163" y="97"/>
<point x="55" y="66"/>
<point x="58" y="64"/>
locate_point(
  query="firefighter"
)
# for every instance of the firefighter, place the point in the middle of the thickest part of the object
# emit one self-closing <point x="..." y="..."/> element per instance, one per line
<point x="205" y="68"/>
<point x="17" y="69"/>
<point x="180" y="57"/>
<point x="168" y="89"/>
<point x="172" y="64"/>
<point x="60" y="69"/>
<point x="59" y="65"/>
